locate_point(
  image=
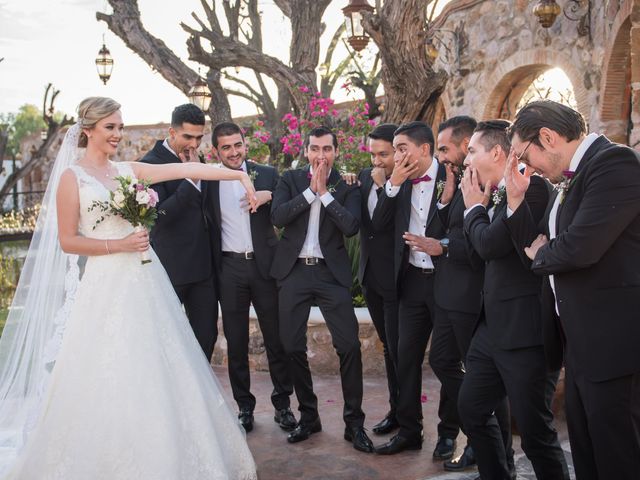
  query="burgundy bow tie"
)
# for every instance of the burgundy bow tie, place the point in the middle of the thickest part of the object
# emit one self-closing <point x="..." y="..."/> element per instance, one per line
<point x="568" y="174"/>
<point x="426" y="178"/>
<point x="309" y="175"/>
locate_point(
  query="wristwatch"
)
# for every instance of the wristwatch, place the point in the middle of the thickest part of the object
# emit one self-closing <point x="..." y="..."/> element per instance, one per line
<point x="444" y="243"/>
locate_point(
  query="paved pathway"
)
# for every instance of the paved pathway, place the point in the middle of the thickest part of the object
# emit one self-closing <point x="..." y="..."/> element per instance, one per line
<point x="327" y="456"/>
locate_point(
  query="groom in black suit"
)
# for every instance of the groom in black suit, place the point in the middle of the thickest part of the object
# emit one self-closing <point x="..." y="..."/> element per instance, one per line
<point x="244" y="246"/>
<point x="591" y="254"/>
<point x="408" y="206"/>
<point x="316" y="210"/>
<point x="458" y="285"/>
<point x="506" y="357"/>
<point x="181" y="236"/>
<point x="375" y="271"/>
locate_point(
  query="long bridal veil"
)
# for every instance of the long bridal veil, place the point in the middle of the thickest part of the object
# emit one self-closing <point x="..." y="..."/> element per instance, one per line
<point x="33" y="331"/>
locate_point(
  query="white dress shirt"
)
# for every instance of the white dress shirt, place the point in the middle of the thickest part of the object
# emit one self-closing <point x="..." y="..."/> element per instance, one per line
<point x="553" y="215"/>
<point x="235" y="221"/>
<point x="372" y="199"/>
<point x="311" y="245"/>
<point x="421" y="195"/>
<point x="165" y="144"/>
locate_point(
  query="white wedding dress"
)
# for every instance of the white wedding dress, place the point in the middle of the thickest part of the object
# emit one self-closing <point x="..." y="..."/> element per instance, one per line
<point x="131" y="396"/>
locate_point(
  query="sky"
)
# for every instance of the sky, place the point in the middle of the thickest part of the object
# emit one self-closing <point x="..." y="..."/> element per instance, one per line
<point x="57" y="41"/>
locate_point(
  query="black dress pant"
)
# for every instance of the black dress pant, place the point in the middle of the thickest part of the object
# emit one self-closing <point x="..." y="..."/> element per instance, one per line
<point x="521" y="374"/>
<point x="307" y="284"/>
<point x="604" y="426"/>
<point x="416" y="310"/>
<point x="450" y="341"/>
<point x="383" y="308"/>
<point x="200" y="301"/>
<point x="241" y="285"/>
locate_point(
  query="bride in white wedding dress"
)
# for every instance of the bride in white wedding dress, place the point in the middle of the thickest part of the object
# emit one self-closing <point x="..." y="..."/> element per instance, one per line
<point x="131" y="395"/>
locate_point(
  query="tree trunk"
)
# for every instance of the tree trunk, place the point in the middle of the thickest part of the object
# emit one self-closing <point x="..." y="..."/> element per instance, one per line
<point x="412" y="88"/>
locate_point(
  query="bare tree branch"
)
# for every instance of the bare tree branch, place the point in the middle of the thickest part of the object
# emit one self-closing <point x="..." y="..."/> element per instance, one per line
<point x="36" y="159"/>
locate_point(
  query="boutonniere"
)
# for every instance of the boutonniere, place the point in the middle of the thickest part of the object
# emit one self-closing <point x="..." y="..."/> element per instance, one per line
<point x="563" y="187"/>
<point x="253" y="174"/>
<point x="331" y="187"/>
<point x="497" y="195"/>
<point x="440" y="188"/>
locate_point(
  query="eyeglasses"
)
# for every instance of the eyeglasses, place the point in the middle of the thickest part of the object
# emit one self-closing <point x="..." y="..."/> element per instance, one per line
<point x="519" y="157"/>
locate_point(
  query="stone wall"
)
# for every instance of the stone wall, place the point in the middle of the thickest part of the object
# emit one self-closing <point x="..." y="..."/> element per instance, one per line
<point x="499" y="48"/>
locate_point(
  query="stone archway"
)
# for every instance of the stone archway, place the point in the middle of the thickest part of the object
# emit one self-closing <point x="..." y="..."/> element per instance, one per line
<point x="514" y="75"/>
<point x="615" y="99"/>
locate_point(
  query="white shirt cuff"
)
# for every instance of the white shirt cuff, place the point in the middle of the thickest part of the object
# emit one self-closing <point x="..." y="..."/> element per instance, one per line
<point x="195" y="184"/>
<point x="326" y="198"/>
<point x="309" y="195"/>
<point x="391" y="190"/>
<point x="472" y="207"/>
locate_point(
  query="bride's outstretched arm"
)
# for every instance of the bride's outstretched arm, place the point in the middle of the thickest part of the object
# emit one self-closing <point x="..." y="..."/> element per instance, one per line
<point x="173" y="171"/>
<point x="68" y="206"/>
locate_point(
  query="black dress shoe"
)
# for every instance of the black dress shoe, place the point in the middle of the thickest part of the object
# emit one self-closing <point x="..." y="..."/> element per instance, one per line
<point x="463" y="462"/>
<point x="512" y="474"/>
<point x="285" y="419"/>
<point x="246" y="419"/>
<point x="398" y="444"/>
<point x="387" y="425"/>
<point x="304" y="431"/>
<point x="444" y="448"/>
<point x="359" y="438"/>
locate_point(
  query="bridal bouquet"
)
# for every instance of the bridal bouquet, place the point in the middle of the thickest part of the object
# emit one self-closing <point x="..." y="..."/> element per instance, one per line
<point x="134" y="201"/>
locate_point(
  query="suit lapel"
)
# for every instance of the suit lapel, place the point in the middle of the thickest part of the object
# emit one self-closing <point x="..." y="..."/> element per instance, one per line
<point x="215" y="199"/>
<point x="434" y="197"/>
<point x="333" y="181"/>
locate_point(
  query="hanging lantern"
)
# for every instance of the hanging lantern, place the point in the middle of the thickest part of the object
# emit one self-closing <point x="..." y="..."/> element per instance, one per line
<point x="358" y="39"/>
<point x="104" y="64"/>
<point x="547" y="12"/>
<point x="200" y="95"/>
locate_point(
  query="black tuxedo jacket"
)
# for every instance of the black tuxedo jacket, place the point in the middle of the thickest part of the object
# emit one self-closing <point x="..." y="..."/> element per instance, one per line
<point x="290" y="209"/>
<point x="263" y="234"/>
<point x="396" y="211"/>
<point x="511" y="292"/>
<point x="595" y="261"/>
<point x="181" y="236"/>
<point x="459" y="276"/>
<point x="376" y="247"/>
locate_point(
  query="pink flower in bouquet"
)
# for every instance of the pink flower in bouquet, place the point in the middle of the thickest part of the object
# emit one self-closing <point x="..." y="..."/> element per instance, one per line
<point x="153" y="197"/>
<point x="139" y="187"/>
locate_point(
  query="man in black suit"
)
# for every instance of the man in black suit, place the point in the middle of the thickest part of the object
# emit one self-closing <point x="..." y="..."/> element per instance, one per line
<point x="458" y="284"/>
<point x="244" y="246"/>
<point x="181" y="236"/>
<point x="591" y="254"/>
<point x="316" y="209"/>
<point x="408" y="205"/>
<point x="375" y="271"/>
<point x="506" y="356"/>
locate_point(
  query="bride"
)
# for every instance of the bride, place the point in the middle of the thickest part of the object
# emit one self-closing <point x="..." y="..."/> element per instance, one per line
<point x="103" y="378"/>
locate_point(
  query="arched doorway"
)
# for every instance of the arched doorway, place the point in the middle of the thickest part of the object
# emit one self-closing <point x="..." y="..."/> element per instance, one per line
<point x="533" y="82"/>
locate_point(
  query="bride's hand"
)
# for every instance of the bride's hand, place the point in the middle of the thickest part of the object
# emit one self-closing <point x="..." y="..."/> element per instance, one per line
<point x="252" y="200"/>
<point x="135" y="242"/>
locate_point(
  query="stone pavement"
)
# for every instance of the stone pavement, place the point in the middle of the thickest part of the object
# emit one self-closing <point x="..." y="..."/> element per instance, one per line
<point x="327" y="456"/>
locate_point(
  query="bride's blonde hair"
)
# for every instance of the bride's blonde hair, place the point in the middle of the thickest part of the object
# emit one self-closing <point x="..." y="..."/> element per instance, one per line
<point x="91" y="110"/>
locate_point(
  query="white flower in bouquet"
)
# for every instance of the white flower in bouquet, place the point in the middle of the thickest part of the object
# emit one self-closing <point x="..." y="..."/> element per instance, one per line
<point x="142" y="197"/>
<point x="119" y="199"/>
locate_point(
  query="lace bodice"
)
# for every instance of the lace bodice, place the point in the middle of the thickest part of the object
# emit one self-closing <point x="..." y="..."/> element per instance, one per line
<point x="90" y="189"/>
